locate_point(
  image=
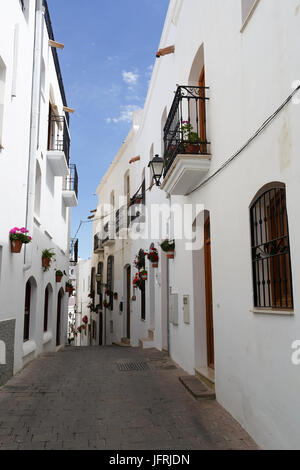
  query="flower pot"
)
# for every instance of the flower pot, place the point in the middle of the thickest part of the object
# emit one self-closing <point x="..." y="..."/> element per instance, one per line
<point x="170" y="254"/>
<point x="116" y="296"/>
<point x="192" y="148"/>
<point x="144" y="277"/>
<point x="58" y="279"/>
<point x="16" y="246"/>
<point x="154" y="265"/>
<point x="133" y="298"/>
<point x="45" y="262"/>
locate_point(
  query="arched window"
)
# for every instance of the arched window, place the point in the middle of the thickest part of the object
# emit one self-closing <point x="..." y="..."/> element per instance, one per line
<point x="110" y="281"/>
<point x="271" y="259"/>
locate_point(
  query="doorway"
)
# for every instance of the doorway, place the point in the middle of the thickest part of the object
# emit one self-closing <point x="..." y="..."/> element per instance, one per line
<point x="209" y="296"/>
<point x="128" y="294"/>
<point x="58" y="324"/>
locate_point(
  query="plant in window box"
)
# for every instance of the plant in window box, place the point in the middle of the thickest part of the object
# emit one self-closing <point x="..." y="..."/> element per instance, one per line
<point x="153" y="257"/>
<point x="168" y="246"/>
<point x="58" y="275"/>
<point x="18" y="237"/>
<point x="190" y="138"/>
<point x="47" y="257"/>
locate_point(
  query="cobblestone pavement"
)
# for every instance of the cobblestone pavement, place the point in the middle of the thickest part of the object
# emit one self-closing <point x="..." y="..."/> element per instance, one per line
<point x="80" y="399"/>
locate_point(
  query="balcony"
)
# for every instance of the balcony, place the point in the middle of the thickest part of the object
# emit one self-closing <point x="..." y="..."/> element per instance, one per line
<point x="70" y="188"/>
<point x="186" y="148"/>
<point x="74" y="251"/>
<point x="58" y="153"/>
<point x="108" y="234"/>
<point x="122" y="221"/>
<point x="98" y="247"/>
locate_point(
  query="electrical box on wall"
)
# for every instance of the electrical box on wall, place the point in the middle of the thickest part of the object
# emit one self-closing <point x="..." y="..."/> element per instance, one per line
<point x="174" y="317"/>
<point x="186" y="309"/>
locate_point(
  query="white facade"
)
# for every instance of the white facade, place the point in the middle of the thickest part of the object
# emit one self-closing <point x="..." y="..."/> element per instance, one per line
<point x="83" y="299"/>
<point x="34" y="174"/>
<point x="249" y="51"/>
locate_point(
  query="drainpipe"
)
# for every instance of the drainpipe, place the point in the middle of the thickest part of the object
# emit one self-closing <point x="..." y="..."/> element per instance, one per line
<point x="34" y="125"/>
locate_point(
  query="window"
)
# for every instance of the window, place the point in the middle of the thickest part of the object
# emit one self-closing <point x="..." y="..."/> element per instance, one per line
<point x="38" y="183"/>
<point x="247" y="9"/>
<point x="110" y="281"/>
<point x="2" y="89"/>
<point x="271" y="260"/>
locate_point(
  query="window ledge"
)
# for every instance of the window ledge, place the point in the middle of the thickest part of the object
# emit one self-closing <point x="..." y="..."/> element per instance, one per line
<point x="249" y="16"/>
<point x="269" y="311"/>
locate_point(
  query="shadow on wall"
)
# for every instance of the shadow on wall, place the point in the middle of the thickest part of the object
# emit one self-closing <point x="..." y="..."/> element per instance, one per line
<point x="7" y="340"/>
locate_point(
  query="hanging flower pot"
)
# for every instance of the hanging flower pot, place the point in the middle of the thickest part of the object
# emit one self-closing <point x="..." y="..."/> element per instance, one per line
<point x="18" y="237"/>
<point x="144" y="275"/>
<point x="59" y="276"/>
<point x="47" y="256"/>
<point x="154" y="265"/>
<point x="153" y="256"/>
<point x="16" y="246"/>
<point x="133" y="298"/>
<point x="116" y="295"/>
<point x="168" y="246"/>
<point x="69" y="287"/>
<point x="105" y="304"/>
<point x="171" y="255"/>
<point x="46" y="262"/>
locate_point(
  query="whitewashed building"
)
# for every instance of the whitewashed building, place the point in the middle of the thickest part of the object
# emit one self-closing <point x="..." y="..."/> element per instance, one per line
<point x="227" y="307"/>
<point x="38" y="184"/>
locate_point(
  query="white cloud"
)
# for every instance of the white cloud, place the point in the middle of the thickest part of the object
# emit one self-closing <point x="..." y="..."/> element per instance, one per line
<point x="131" y="78"/>
<point x="125" y="115"/>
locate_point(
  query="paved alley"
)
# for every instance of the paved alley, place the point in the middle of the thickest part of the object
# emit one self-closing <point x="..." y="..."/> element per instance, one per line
<point x="90" y="398"/>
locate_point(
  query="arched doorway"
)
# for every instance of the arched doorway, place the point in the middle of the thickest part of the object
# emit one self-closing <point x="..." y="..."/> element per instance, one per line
<point x="59" y="313"/>
<point x="208" y="296"/>
<point x="29" y="310"/>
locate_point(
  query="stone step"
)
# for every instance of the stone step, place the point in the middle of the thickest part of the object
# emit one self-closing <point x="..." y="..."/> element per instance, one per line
<point x="146" y="343"/>
<point x="197" y="388"/>
<point x="207" y="376"/>
<point x="125" y="341"/>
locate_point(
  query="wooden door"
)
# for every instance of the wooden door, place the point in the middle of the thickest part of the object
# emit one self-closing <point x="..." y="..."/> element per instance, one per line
<point x="128" y="300"/>
<point x="209" y="297"/>
<point x="202" y="112"/>
<point x="58" y="320"/>
<point x="26" y="333"/>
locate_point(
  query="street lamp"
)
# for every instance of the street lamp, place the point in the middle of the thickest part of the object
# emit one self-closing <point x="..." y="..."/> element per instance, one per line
<point x="156" y="166"/>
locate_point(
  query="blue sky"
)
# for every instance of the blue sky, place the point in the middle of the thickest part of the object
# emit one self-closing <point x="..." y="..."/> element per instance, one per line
<point x="109" y="50"/>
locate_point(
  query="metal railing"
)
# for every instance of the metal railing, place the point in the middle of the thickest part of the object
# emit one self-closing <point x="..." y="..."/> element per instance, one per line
<point x="122" y="220"/>
<point x="71" y="181"/>
<point x="74" y="250"/>
<point x="185" y="129"/>
<point x="108" y="232"/>
<point x="55" y="57"/>
<point x="59" y="137"/>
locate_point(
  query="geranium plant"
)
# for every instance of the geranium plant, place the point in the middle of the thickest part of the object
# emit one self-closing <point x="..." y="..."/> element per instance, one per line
<point x="168" y="245"/>
<point x="153" y="256"/>
<point x="18" y="237"/>
<point x="85" y="319"/>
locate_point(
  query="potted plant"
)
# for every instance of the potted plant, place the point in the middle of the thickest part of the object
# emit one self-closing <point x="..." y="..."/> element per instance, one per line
<point x="144" y="275"/>
<point x="133" y="298"/>
<point x="191" y="138"/>
<point x="105" y="304"/>
<point x="18" y="237"/>
<point x="116" y="295"/>
<point x="85" y="319"/>
<point x="69" y="287"/>
<point x="168" y="246"/>
<point x="59" y="275"/>
<point x="153" y="257"/>
<point x="47" y="256"/>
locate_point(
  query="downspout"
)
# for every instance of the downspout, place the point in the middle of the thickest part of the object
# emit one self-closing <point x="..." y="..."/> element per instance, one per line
<point x="34" y="125"/>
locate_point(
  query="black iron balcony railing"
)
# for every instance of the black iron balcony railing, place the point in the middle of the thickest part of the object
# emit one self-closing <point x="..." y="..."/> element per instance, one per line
<point x="108" y="232"/>
<point x="97" y="243"/>
<point x="185" y="129"/>
<point x="55" y="57"/>
<point x="59" y="137"/>
<point x="122" y="220"/>
<point x="74" y="251"/>
<point x="71" y="181"/>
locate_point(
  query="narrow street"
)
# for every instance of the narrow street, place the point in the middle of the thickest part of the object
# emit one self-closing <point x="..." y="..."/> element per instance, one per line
<point x="87" y="399"/>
